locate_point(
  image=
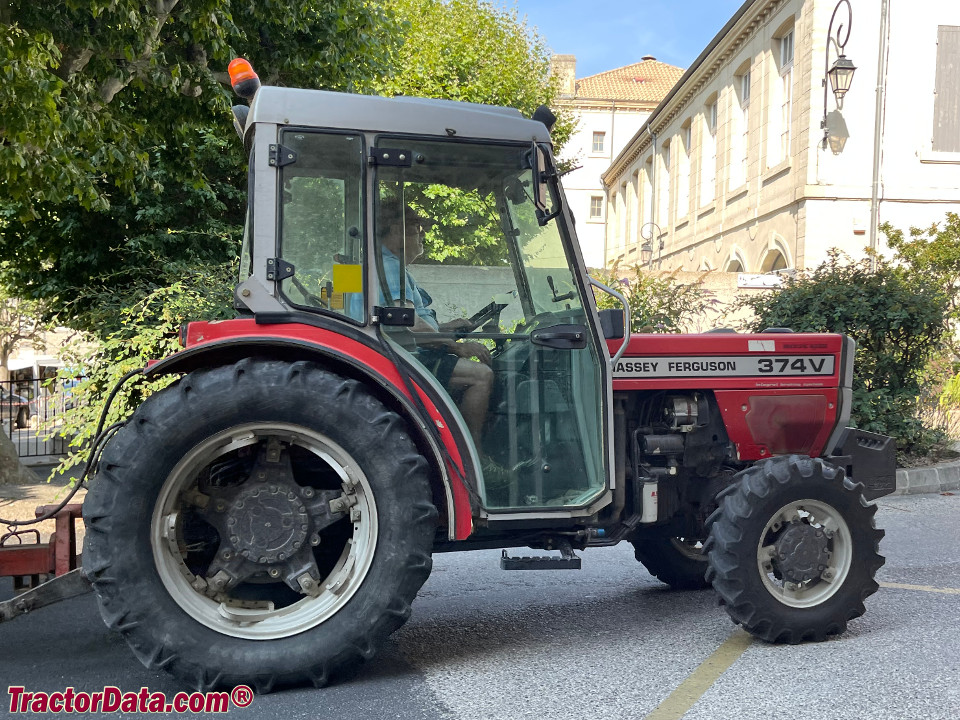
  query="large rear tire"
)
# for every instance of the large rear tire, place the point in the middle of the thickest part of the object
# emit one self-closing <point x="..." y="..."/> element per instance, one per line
<point x="265" y="523"/>
<point x="793" y="550"/>
<point x="678" y="562"/>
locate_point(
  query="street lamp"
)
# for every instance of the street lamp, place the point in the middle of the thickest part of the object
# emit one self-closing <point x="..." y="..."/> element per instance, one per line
<point x="646" y="249"/>
<point x="841" y="73"/>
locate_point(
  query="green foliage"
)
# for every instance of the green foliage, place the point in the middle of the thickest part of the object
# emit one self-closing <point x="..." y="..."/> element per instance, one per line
<point x="935" y="252"/>
<point x="145" y="330"/>
<point x="90" y="85"/>
<point x="89" y="264"/>
<point x="896" y="317"/>
<point x="657" y="303"/>
<point x="469" y="50"/>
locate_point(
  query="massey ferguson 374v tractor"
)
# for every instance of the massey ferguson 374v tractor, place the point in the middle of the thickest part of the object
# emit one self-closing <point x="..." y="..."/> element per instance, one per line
<point x="270" y="516"/>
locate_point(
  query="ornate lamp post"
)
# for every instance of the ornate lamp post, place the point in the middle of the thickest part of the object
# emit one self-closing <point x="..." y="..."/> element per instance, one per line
<point x="840" y="74"/>
<point x="646" y="249"/>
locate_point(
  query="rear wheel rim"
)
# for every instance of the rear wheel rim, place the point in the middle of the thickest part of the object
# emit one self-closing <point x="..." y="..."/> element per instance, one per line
<point x="820" y="516"/>
<point x="336" y="589"/>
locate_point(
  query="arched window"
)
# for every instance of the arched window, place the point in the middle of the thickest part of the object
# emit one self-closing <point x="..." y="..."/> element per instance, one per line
<point x="774" y="261"/>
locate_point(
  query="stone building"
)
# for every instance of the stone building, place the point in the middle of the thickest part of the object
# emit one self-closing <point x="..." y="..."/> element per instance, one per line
<point x="609" y="108"/>
<point x="733" y="170"/>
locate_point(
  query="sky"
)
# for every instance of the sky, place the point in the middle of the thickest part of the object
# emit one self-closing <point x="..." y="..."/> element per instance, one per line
<point x="607" y="34"/>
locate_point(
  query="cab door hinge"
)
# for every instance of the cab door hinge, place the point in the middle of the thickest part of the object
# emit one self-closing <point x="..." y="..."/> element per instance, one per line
<point x="280" y="156"/>
<point x="279" y="269"/>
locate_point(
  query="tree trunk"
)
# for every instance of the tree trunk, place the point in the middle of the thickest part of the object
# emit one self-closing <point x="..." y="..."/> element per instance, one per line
<point x="11" y="469"/>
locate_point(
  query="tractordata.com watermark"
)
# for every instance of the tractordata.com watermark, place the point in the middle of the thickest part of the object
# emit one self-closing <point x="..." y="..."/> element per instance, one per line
<point x="113" y="699"/>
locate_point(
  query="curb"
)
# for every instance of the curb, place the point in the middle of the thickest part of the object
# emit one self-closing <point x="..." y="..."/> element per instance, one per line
<point x="930" y="479"/>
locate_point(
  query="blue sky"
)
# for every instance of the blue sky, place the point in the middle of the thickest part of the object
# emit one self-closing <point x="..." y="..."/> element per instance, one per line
<point x="606" y="34"/>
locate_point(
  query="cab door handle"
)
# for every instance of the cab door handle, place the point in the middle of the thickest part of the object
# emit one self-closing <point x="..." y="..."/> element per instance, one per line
<point x="561" y="337"/>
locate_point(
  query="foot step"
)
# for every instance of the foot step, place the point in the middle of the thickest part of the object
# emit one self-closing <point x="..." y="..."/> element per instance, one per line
<point x="540" y="562"/>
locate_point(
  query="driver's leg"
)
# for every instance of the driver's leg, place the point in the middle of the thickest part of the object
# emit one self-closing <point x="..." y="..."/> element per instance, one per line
<point x="476" y="381"/>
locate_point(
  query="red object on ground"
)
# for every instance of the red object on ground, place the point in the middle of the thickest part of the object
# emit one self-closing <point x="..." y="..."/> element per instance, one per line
<point x="58" y="556"/>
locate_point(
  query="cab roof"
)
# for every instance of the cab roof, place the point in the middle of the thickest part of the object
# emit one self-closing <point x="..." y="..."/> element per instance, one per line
<point x="399" y="115"/>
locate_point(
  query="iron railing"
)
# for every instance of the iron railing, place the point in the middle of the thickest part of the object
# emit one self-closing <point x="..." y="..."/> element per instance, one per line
<point x="30" y="412"/>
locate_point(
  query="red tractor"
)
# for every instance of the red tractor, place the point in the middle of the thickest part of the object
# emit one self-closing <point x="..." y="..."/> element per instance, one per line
<point x="270" y="516"/>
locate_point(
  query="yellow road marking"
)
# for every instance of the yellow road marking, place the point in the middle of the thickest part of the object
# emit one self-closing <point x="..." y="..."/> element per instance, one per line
<point x="700" y="680"/>
<point x="923" y="588"/>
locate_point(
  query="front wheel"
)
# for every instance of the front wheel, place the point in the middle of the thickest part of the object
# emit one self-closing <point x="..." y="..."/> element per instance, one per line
<point x="265" y="523"/>
<point x="793" y="550"/>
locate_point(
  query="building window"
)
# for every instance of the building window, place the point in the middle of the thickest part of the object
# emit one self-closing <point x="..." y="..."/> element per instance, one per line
<point x="708" y="156"/>
<point x="648" y="192"/>
<point x="664" y="213"/>
<point x="683" y="172"/>
<point x="596" y="207"/>
<point x="781" y="103"/>
<point x="598" y="138"/>
<point x="739" y="130"/>
<point x="946" y="103"/>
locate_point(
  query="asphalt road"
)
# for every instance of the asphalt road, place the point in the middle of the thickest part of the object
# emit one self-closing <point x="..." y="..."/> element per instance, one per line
<point x="608" y="641"/>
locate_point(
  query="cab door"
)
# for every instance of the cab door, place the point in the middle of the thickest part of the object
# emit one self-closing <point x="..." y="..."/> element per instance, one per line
<point x="497" y="270"/>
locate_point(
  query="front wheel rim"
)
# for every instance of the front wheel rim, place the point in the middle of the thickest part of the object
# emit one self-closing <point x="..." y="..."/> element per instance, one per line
<point x="225" y="614"/>
<point x="819" y="517"/>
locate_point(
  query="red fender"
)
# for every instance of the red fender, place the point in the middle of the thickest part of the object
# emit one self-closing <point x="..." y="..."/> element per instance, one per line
<point x="230" y="340"/>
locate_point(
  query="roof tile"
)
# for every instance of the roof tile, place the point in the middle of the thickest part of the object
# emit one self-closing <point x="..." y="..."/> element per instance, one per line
<point x="646" y="81"/>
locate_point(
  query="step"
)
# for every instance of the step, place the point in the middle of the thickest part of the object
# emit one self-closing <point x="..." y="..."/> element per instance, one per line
<point x="540" y="562"/>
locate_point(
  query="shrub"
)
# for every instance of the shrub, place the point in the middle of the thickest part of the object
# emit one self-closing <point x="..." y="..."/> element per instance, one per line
<point x="897" y="318"/>
<point x="146" y="330"/>
<point x="657" y="303"/>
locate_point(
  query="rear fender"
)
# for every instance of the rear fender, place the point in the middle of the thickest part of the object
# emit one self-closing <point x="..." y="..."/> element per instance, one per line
<point x="212" y="344"/>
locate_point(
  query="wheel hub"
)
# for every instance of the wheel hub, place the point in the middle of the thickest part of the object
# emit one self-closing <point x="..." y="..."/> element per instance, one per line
<point x="269" y="523"/>
<point x="802" y="552"/>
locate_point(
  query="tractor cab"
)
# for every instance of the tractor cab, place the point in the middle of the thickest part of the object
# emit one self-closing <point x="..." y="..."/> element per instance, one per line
<point x="443" y="233"/>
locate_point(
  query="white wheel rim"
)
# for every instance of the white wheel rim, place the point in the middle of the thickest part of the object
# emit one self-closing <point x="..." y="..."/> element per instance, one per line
<point x="824" y="517"/>
<point x="339" y="585"/>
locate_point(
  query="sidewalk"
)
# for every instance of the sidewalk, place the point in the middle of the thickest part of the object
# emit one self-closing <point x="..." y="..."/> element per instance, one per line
<point x="931" y="479"/>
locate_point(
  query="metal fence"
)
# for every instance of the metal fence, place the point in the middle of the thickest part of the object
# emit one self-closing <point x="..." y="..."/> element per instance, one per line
<point x="30" y="412"/>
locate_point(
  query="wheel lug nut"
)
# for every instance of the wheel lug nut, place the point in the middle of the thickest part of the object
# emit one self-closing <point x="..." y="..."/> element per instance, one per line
<point x="226" y="554"/>
<point x="234" y="539"/>
<point x="273" y="572"/>
<point x="308" y="492"/>
<point x="314" y="540"/>
<point x="220" y="507"/>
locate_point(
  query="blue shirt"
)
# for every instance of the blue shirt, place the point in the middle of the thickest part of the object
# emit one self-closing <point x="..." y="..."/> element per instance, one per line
<point x="414" y="293"/>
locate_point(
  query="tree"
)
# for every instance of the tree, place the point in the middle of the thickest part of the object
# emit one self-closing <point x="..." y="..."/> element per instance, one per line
<point x="91" y="85"/>
<point x="935" y="252"/>
<point x="116" y="157"/>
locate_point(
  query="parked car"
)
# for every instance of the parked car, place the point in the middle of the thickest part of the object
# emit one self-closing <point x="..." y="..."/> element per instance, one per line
<point x="16" y="407"/>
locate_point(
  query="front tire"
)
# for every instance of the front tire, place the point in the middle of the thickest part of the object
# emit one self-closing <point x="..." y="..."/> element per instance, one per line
<point x="793" y="550"/>
<point x="265" y="523"/>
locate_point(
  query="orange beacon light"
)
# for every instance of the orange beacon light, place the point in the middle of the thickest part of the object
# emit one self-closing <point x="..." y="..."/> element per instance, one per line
<point x="243" y="79"/>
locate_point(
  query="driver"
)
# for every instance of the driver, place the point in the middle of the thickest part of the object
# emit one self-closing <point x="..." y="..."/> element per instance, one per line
<point x="450" y="361"/>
